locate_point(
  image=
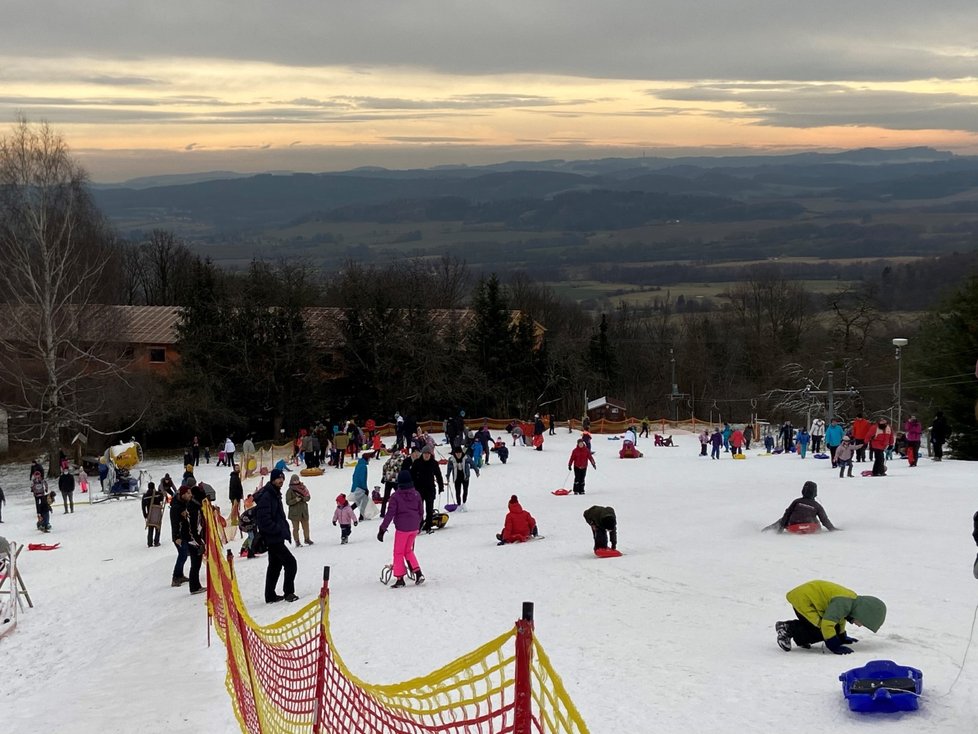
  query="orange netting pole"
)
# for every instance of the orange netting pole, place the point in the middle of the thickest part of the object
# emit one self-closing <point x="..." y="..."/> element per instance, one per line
<point x="523" y="713"/>
<point x="323" y="653"/>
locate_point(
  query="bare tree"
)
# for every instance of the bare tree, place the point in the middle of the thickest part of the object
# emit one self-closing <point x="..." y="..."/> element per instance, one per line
<point x="157" y="271"/>
<point x="54" y="247"/>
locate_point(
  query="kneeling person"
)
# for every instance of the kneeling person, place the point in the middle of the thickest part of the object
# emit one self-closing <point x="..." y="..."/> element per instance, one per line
<point x="822" y="609"/>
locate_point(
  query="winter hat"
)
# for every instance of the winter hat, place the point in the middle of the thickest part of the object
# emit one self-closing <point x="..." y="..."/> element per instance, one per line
<point x="845" y="439"/>
<point x="426" y="449"/>
<point x="294" y="479"/>
<point x="809" y="490"/>
<point x="276" y="474"/>
<point x="514" y="500"/>
<point x="341" y="499"/>
<point x="404" y="480"/>
<point x="189" y="482"/>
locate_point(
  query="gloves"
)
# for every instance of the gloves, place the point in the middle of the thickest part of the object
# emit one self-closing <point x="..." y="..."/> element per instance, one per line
<point x="837" y="645"/>
<point x="334" y="523"/>
<point x="568" y="467"/>
<point x="848" y="640"/>
<point x="355" y="523"/>
<point x="380" y="535"/>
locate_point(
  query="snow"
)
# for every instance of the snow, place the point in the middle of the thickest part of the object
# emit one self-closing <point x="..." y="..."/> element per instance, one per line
<point x="676" y="635"/>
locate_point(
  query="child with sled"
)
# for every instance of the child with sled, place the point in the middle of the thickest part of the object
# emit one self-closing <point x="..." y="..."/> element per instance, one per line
<point x="406" y="511"/>
<point x="345" y="516"/>
<point x="822" y="609"/>
<point x="460" y="466"/>
<point x="519" y="526"/>
<point x="604" y="526"/>
<point x="501" y="451"/>
<point x="580" y="457"/>
<point x="803" y="514"/>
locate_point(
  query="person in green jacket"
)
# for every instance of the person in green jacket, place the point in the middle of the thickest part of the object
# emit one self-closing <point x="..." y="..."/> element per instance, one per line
<point x="822" y="609"/>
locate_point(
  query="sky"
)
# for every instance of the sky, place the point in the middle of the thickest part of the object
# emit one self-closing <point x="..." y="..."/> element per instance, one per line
<point x="677" y="635"/>
<point x="314" y="85"/>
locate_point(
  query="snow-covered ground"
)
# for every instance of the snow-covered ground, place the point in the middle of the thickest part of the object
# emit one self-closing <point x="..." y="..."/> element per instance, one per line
<point x="675" y="636"/>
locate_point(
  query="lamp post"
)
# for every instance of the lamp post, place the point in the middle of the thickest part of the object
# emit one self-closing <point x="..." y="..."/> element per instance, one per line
<point x="899" y="343"/>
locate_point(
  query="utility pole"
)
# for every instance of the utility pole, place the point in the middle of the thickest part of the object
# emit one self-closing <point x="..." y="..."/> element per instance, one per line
<point x="830" y="393"/>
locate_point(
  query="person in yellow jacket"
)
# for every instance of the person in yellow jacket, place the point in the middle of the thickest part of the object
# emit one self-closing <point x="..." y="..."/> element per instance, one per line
<point x="823" y="608"/>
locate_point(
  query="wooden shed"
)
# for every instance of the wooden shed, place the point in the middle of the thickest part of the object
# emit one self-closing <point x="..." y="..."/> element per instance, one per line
<point x="609" y="409"/>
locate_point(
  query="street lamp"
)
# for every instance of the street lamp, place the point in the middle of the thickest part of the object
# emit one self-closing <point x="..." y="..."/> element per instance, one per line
<point x="899" y="343"/>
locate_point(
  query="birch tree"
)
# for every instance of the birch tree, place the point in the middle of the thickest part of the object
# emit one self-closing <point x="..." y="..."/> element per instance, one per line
<point x="54" y="247"/>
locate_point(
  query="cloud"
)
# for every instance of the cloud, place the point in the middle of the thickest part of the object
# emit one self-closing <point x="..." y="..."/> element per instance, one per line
<point x="822" y="105"/>
<point x="750" y="40"/>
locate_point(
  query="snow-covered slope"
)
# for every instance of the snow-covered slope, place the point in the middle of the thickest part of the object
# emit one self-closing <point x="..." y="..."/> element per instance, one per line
<point x="677" y="635"/>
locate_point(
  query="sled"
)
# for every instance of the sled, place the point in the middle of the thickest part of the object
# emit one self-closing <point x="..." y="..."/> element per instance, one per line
<point x="439" y="520"/>
<point x="518" y="542"/>
<point x="387" y="573"/>
<point x="538" y="441"/>
<point x="820" y="456"/>
<point x="740" y="457"/>
<point x="43" y="546"/>
<point x="443" y="461"/>
<point x="155" y="517"/>
<point x="311" y="472"/>
<point x="804" y="528"/>
<point x="606" y="553"/>
<point x="882" y="686"/>
<point x="561" y="492"/>
<point x="451" y="508"/>
<point x="866" y="473"/>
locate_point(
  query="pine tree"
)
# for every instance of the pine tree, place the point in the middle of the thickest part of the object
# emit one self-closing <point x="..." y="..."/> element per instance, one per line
<point x="949" y="347"/>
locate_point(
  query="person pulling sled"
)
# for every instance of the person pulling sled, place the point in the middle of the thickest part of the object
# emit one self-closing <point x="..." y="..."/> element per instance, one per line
<point x="406" y="511"/>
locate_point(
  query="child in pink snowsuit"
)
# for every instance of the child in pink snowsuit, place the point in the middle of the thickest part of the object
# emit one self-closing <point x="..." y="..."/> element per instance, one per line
<point x="345" y="516"/>
<point x="406" y="511"/>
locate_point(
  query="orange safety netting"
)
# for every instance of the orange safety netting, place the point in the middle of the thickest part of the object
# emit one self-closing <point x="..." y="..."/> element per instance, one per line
<point x="288" y="677"/>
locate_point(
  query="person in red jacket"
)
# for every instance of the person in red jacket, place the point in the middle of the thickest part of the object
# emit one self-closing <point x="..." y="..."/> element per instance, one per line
<point x="859" y="430"/>
<point x="578" y="461"/>
<point x="520" y="525"/>
<point x="879" y="438"/>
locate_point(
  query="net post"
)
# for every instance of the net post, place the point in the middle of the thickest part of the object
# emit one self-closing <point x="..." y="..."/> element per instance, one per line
<point x="522" y="713"/>
<point x="322" y="653"/>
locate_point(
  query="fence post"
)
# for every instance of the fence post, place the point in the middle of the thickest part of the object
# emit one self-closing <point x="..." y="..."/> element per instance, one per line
<point x="523" y="712"/>
<point x="317" y="719"/>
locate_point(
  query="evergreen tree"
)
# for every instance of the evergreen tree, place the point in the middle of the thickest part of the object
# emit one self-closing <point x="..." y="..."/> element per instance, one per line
<point x="601" y="358"/>
<point x="949" y="347"/>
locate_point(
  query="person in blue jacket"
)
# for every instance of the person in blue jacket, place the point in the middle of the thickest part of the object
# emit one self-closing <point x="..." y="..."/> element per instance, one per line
<point x="358" y="486"/>
<point x="833" y="438"/>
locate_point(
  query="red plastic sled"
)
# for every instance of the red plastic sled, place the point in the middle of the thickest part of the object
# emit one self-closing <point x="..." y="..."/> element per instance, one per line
<point x="560" y="492"/>
<point x="866" y="473"/>
<point x="43" y="546"/>
<point x="606" y="553"/>
<point x="804" y="528"/>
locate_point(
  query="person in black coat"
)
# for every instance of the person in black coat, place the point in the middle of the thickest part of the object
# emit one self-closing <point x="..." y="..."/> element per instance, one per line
<point x="180" y="533"/>
<point x="426" y="473"/>
<point x="66" y="484"/>
<point x="197" y="530"/>
<point x="273" y="527"/>
<point x="235" y="490"/>
<point x="938" y="435"/>
<point x="153" y="497"/>
<point x="805" y="510"/>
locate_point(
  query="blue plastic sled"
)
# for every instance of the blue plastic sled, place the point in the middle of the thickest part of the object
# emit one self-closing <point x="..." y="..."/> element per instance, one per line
<point x="820" y="456"/>
<point x="882" y="686"/>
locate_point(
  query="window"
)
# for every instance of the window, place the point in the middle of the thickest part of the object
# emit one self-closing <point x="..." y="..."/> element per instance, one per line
<point x="157" y="354"/>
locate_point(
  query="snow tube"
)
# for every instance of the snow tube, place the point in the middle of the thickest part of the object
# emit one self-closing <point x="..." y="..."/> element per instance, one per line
<point x="804" y="528"/>
<point x="606" y="553"/>
<point x="314" y="472"/>
<point x="561" y="492"/>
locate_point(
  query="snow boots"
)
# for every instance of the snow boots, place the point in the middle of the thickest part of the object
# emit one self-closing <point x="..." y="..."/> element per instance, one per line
<point x="399" y="583"/>
<point x="784" y="635"/>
